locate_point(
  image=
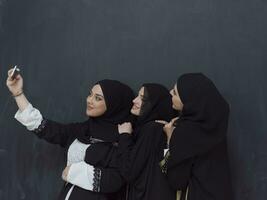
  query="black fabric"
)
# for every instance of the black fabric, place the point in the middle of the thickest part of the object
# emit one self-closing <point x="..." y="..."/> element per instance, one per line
<point x="204" y="119"/>
<point x="141" y="152"/>
<point x="198" y="144"/>
<point x="102" y="135"/>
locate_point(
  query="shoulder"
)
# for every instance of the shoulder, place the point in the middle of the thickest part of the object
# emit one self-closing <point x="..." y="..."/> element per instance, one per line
<point x="152" y="125"/>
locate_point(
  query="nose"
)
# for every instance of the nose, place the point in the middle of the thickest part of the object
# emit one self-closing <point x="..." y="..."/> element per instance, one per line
<point x="134" y="100"/>
<point x="89" y="100"/>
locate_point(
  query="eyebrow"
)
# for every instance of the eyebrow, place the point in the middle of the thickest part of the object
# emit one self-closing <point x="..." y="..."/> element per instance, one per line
<point x="99" y="95"/>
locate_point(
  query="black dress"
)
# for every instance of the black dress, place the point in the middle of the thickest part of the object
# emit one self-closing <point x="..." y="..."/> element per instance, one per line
<point x="141" y="153"/>
<point x="101" y="135"/>
<point x="107" y="180"/>
<point x="198" y="160"/>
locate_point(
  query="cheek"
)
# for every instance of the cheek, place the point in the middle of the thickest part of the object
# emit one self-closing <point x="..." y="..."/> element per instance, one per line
<point x="137" y="102"/>
<point x="100" y="106"/>
<point x="99" y="109"/>
<point x="175" y="100"/>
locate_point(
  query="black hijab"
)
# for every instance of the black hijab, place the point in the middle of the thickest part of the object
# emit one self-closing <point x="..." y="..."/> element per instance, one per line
<point x="139" y="163"/>
<point x="102" y="132"/>
<point x="118" y="98"/>
<point x="204" y="119"/>
<point x="157" y="104"/>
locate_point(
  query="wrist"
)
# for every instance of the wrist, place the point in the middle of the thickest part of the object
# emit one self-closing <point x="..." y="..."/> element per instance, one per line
<point x="19" y="93"/>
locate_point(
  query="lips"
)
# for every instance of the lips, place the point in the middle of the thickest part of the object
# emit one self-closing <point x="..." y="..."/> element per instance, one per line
<point x="89" y="107"/>
<point x="135" y="107"/>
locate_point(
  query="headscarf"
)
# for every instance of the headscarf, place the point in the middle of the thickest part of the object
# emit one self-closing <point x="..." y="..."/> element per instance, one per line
<point x="204" y="119"/>
<point x="157" y="104"/>
<point x="102" y="132"/>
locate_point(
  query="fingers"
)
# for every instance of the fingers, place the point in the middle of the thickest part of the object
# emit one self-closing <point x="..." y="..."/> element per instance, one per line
<point x="11" y="81"/>
<point x="168" y="125"/>
<point x="161" y="122"/>
<point x="9" y="75"/>
<point x="173" y="120"/>
<point x="65" y="173"/>
<point x="9" y="72"/>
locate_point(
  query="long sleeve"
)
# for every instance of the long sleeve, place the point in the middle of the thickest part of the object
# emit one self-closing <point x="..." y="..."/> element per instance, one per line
<point x="134" y="155"/>
<point x="29" y="117"/>
<point x="84" y="176"/>
<point x="52" y="132"/>
<point x="88" y="177"/>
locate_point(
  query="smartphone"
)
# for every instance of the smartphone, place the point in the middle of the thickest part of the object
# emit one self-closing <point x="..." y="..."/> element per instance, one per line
<point x="15" y="72"/>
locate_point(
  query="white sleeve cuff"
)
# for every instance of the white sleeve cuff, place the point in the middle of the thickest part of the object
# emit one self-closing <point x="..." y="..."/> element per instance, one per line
<point x="82" y="175"/>
<point x="29" y="117"/>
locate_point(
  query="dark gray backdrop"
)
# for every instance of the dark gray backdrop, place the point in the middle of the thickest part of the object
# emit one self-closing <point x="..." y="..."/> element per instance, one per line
<point x="64" y="46"/>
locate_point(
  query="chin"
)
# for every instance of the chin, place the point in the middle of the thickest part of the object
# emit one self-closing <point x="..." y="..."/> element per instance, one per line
<point x="88" y="113"/>
<point x="134" y="112"/>
<point x="174" y="107"/>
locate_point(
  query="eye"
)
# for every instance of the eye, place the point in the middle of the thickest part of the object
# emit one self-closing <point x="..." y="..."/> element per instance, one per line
<point x="143" y="98"/>
<point x="97" y="98"/>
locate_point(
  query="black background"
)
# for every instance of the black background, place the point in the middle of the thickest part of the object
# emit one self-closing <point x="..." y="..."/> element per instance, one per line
<point x="64" y="46"/>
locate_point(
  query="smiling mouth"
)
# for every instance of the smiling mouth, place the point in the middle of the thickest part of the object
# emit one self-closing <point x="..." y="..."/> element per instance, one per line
<point x="135" y="107"/>
<point x="89" y="107"/>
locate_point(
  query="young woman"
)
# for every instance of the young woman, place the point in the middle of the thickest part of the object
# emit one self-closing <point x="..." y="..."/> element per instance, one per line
<point x="91" y="146"/>
<point x="142" y="149"/>
<point x="198" y="160"/>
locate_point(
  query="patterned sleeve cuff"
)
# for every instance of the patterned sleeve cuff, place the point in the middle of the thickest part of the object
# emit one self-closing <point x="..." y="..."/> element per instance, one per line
<point x="40" y="128"/>
<point x="164" y="163"/>
<point x="85" y="176"/>
<point x="96" y="180"/>
<point x="29" y="117"/>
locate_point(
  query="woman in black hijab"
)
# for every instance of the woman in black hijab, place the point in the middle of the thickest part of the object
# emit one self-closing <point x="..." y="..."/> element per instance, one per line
<point x="91" y="146"/>
<point x="141" y="150"/>
<point x="197" y="161"/>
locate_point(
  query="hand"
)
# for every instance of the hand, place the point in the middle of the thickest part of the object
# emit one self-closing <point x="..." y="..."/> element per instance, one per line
<point x="168" y="127"/>
<point x="125" y="128"/>
<point x="15" y="86"/>
<point x="65" y="173"/>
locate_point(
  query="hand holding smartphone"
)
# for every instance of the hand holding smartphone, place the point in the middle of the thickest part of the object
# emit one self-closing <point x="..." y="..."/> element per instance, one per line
<point x="15" y="72"/>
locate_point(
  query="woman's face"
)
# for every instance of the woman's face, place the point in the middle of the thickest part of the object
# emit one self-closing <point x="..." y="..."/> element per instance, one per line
<point x="137" y="102"/>
<point x="176" y="100"/>
<point x="96" y="105"/>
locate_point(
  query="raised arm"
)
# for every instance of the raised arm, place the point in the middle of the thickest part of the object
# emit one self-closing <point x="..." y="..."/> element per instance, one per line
<point x="31" y="117"/>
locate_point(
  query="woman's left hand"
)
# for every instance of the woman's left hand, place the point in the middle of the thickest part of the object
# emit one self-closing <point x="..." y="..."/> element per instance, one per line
<point x="125" y="128"/>
<point x="168" y="127"/>
<point x="65" y="173"/>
